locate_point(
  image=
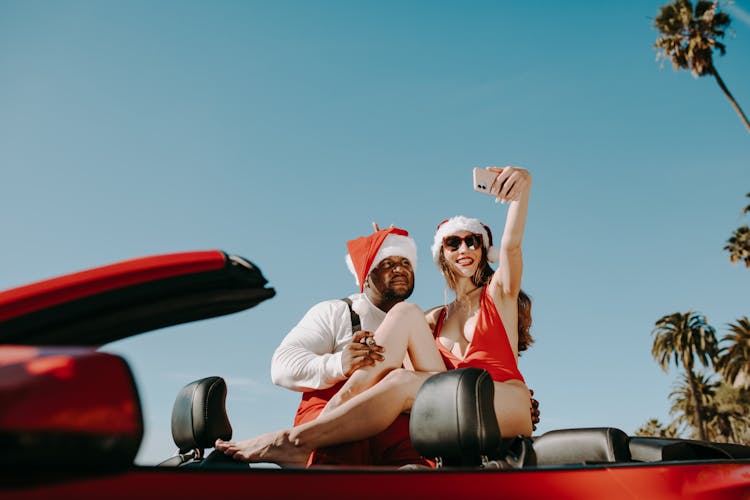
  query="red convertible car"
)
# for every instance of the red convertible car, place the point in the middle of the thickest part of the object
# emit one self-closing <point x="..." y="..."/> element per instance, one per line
<point x="71" y="421"/>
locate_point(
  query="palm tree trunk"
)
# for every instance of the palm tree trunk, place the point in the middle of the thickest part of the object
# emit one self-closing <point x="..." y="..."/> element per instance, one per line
<point x="734" y="103"/>
<point x="698" y="408"/>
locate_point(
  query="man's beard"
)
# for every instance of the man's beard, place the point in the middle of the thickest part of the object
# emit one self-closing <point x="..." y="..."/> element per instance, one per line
<point x="393" y="295"/>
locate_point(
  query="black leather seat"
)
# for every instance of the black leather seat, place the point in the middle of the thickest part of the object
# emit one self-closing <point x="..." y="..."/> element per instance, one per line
<point x="453" y="418"/>
<point x="199" y="417"/>
<point x="654" y="449"/>
<point x="579" y="446"/>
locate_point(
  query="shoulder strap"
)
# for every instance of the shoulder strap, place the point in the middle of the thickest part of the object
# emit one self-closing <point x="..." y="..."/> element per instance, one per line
<point x="356" y="323"/>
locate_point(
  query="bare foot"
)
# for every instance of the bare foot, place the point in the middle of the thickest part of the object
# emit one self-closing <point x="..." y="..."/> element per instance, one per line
<point x="273" y="447"/>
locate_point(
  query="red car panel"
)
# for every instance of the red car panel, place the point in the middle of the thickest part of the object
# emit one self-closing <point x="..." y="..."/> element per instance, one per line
<point x="48" y="293"/>
<point x="113" y="302"/>
<point x="665" y="481"/>
<point x="67" y="390"/>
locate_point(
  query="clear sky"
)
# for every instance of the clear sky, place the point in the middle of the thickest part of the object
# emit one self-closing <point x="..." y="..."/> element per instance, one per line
<point x="279" y="129"/>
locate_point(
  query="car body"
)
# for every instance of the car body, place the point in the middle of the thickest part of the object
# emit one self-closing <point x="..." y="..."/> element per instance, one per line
<point x="71" y="420"/>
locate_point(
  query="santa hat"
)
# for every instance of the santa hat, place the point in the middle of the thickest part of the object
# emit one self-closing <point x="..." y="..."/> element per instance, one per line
<point x="461" y="223"/>
<point x="366" y="252"/>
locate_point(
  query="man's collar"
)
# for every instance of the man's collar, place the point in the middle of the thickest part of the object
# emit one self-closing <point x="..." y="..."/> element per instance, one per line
<point x="371" y="304"/>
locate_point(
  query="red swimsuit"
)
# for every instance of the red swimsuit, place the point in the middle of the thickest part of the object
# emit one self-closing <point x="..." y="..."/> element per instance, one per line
<point x="489" y="347"/>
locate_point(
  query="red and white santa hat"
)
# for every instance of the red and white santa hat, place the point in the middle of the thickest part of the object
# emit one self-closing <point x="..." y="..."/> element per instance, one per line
<point x="461" y="223"/>
<point x="366" y="252"/>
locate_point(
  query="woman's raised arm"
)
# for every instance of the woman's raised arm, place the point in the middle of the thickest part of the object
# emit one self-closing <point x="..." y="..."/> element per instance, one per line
<point x="512" y="185"/>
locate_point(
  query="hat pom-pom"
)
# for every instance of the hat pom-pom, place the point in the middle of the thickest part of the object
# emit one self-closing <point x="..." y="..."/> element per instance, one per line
<point x="350" y="265"/>
<point x="493" y="254"/>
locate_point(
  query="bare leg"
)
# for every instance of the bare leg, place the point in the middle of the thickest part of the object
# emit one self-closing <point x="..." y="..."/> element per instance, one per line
<point x="363" y="416"/>
<point x="513" y="409"/>
<point x="403" y="330"/>
<point x="368" y="414"/>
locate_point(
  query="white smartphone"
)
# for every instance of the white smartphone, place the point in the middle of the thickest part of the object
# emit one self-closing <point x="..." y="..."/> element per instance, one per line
<point x="483" y="180"/>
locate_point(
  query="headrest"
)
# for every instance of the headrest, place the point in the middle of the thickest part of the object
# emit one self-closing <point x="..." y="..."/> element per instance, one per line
<point x="575" y="446"/>
<point x="199" y="416"/>
<point x="453" y="417"/>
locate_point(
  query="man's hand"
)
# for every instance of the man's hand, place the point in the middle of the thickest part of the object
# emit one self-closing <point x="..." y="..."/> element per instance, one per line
<point x="362" y="351"/>
<point x="534" y="410"/>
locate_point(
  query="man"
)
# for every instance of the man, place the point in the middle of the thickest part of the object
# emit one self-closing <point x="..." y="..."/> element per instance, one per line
<point x="321" y="352"/>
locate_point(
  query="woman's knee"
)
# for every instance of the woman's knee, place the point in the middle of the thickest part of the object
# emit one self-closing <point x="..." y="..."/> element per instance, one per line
<point x="406" y="310"/>
<point x="402" y="382"/>
<point x="399" y="376"/>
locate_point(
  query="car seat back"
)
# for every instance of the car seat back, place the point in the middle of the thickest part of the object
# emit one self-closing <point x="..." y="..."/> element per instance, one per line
<point x="453" y="418"/>
<point x="586" y="445"/>
<point x="199" y="418"/>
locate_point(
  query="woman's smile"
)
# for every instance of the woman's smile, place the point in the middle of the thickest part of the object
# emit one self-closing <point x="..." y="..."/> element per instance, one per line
<point x="465" y="261"/>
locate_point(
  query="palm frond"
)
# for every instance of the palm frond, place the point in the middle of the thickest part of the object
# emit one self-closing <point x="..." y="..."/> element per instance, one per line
<point x="738" y="245"/>
<point x="688" y="35"/>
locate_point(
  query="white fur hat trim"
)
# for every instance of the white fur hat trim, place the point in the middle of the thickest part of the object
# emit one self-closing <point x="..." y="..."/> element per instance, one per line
<point x="461" y="223"/>
<point x="393" y="245"/>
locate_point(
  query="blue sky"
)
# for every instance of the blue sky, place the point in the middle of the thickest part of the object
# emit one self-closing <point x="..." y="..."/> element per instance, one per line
<point x="277" y="130"/>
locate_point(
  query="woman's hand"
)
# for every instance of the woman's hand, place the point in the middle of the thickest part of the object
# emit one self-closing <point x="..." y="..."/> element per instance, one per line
<point x="511" y="184"/>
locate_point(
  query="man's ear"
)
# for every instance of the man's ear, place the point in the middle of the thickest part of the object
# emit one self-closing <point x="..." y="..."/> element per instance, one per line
<point x="368" y="282"/>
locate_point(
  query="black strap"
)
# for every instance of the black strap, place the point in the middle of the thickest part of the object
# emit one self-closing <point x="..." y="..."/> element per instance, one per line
<point x="356" y="323"/>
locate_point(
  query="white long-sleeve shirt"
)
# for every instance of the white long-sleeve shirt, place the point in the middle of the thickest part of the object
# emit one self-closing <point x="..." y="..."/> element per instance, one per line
<point x="309" y="357"/>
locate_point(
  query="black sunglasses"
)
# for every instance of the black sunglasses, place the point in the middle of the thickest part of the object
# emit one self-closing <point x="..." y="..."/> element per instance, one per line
<point x="453" y="243"/>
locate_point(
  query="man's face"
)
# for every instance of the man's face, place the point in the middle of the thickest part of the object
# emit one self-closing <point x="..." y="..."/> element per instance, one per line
<point x="392" y="279"/>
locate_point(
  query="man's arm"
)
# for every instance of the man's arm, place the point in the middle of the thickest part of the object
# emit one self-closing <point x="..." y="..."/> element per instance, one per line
<point x="308" y="357"/>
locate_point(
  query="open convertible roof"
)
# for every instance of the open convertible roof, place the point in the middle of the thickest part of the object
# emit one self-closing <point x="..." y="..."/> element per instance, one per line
<point x="119" y="300"/>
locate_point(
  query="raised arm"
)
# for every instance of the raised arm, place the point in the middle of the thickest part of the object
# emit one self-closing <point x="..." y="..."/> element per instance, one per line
<point x="512" y="186"/>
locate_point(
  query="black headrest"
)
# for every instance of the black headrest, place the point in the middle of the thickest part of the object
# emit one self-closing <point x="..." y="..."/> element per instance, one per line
<point x="453" y="417"/>
<point x="199" y="416"/>
<point x="575" y="446"/>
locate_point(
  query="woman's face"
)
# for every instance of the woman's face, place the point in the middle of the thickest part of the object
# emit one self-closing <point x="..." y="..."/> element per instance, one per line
<point x="462" y="251"/>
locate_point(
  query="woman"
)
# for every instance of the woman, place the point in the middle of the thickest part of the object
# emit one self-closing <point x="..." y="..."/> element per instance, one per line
<point x="469" y="332"/>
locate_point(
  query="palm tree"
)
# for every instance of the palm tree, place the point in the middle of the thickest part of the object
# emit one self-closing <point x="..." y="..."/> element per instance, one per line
<point x="734" y="356"/>
<point x="683" y="338"/>
<point x="688" y="37"/>
<point x="683" y="403"/>
<point x="730" y="421"/>
<point x="738" y="245"/>
<point x="654" y="428"/>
